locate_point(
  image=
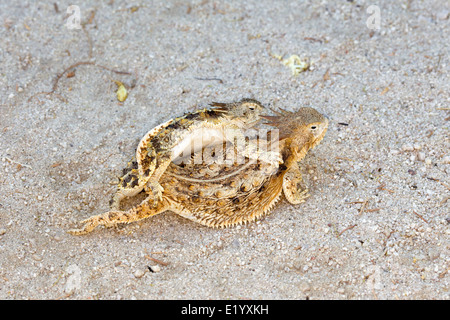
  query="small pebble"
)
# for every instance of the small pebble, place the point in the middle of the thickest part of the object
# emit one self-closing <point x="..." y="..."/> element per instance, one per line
<point x="235" y="244"/>
<point x="154" y="268"/>
<point x="408" y="147"/>
<point x="36" y="257"/>
<point x="139" y="273"/>
<point x="446" y="160"/>
<point x="421" y="156"/>
<point x="427" y="161"/>
<point x="304" y="286"/>
<point x="2" y="232"/>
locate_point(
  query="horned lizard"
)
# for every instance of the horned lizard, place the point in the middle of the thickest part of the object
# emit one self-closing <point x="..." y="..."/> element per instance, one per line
<point x="218" y="195"/>
<point x="167" y="141"/>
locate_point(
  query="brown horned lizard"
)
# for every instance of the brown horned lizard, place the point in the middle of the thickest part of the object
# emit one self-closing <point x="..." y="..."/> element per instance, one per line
<point x="220" y="195"/>
<point x="167" y="141"/>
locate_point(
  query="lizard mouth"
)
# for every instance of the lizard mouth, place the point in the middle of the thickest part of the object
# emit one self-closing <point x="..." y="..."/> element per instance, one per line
<point x="320" y="137"/>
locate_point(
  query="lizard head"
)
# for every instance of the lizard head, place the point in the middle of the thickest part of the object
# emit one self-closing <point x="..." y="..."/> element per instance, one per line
<point x="303" y="129"/>
<point x="245" y="113"/>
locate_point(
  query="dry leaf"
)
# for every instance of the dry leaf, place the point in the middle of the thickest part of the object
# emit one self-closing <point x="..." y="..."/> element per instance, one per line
<point x="296" y="64"/>
<point x="121" y="92"/>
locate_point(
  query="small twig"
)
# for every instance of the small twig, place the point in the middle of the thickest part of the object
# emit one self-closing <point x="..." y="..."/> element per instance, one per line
<point x="209" y="79"/>
<point x="363" y="206"/>
<point x="420" y="216"/>
<point x="18" y="163"/>
<point x="445" y="185"/>
<point x="373" y="210"/>
<point x="343" y="158"/>
<point x="348" y="228"/>
<point x="386" y="89"/>
<point x="89" y="40"/>
<point x="313" y="39"/>
<point x="64" y="296"/>
<point x="434" y="179"/>
<point x="326" y="75"/>
<point x="444" y="200"/>
<point x="382" y="187"/>
<point x="438" y="62"/>
<point x="157" y="261"/>
<point x="442" y="274"/>
<point x="91" y="18"/>
<point x="387" y="238"/>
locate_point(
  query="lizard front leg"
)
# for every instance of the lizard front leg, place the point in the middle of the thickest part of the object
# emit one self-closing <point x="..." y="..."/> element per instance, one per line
<point x="293" y="187"/>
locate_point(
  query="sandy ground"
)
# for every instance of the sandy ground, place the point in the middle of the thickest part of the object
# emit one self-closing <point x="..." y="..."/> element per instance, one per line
<point x="377" y="223"/>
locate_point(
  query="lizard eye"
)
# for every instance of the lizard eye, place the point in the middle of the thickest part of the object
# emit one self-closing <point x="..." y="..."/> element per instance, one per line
<point x="313" y="127"/>
<point x="251" y="108"/>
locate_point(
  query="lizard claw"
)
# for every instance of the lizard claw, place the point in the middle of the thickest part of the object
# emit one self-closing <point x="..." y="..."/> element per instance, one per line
<point x="157" y="191"/>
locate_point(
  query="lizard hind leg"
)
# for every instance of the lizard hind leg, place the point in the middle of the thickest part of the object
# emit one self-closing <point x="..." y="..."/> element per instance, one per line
<point x="293" y="187"/>
<point x="112" y="218"/>
<point x="152" y="185"/>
